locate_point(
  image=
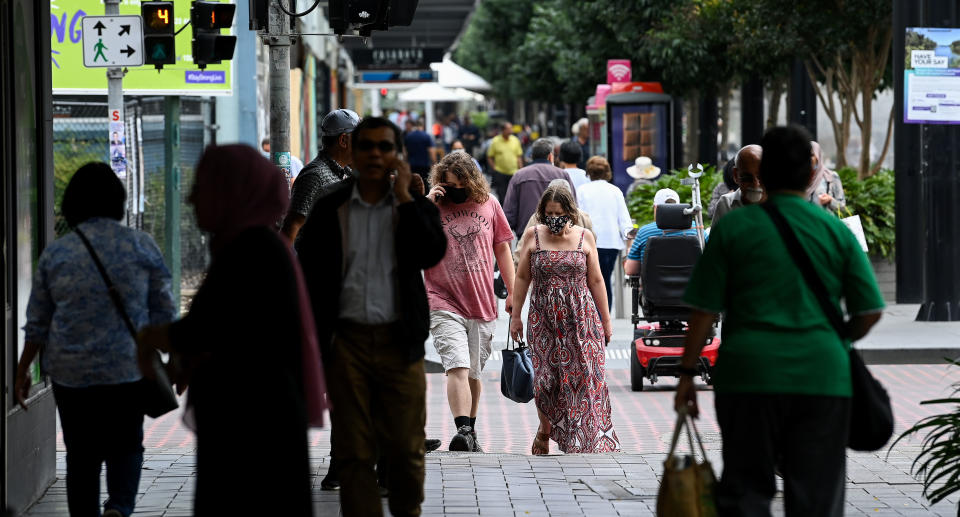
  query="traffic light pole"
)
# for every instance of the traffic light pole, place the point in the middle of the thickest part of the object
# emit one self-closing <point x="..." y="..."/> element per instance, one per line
<point x="115" y="100"/>
<point x="278" y="39"/>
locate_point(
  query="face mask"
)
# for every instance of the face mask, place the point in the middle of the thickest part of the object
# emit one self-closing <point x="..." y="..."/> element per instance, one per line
<point x="456" y="195"/>
<point x="753" y="195"/>
<point x="556" y="224"/>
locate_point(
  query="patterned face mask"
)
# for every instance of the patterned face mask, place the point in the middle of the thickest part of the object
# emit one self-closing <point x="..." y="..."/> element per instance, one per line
<point x="556" y="224"/>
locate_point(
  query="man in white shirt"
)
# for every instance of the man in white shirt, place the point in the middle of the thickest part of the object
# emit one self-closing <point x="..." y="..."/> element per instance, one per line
<point x="570" y="154"/>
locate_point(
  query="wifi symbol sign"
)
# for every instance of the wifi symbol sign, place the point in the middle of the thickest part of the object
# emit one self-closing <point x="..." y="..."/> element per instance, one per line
<point x="618" y="70"/>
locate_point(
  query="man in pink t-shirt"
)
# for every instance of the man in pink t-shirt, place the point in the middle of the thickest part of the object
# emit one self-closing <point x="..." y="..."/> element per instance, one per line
<point x="463" y="306"/>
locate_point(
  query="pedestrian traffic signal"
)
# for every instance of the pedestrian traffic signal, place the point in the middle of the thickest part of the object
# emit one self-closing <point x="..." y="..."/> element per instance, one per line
<point x="158" y="40"/>
<point x="209" y="46"/>
<point x="383" y="92"/>
<point x="365" y="16"/>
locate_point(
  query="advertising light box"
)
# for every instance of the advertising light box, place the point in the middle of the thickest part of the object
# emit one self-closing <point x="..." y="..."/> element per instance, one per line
<point x="638" y="124"/>
<point x="931" y="76"/>
<point x="70" y="77"/>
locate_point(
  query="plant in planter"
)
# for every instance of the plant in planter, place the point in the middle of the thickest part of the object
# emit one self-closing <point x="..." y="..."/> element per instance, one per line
<point x="640" y="200"/>
<point x="938" y="463"/>
<point x="873" y="199"/>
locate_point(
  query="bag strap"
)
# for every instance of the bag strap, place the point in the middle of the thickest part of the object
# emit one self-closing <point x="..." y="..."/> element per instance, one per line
<point x="685" y="420"/>
<point x="111" y="289"/>
<point x="517" y="344"/>
<point x="802" y="261"/>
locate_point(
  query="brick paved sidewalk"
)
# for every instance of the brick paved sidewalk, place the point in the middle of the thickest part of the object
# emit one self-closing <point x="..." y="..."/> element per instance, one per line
<point x="522" y="485"/>
<point x="509" y="481"/>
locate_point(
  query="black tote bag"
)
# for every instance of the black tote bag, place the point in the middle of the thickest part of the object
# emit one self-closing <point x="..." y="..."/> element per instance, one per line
<point x="516" y="378"/>
<point x="871" y="416"/>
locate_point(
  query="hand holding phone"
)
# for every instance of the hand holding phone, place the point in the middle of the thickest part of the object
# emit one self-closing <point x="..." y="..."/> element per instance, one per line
<point x="436" y="193"/>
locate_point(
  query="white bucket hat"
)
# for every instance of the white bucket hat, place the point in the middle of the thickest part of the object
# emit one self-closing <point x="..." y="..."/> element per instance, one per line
<point x="643" y="169"/>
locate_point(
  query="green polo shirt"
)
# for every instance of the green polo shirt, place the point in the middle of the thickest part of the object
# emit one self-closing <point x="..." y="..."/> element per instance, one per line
<point x="775" y="337"/>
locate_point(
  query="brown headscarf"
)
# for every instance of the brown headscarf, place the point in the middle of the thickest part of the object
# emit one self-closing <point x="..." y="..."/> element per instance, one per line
<point x="237" y="188"/>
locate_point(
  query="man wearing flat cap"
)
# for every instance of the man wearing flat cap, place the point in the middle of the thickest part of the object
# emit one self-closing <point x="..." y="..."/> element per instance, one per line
<point x="331" y="166"/>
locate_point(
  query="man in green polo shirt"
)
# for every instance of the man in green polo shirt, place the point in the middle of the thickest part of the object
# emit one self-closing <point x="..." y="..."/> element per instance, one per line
<point x="782" y="378"/>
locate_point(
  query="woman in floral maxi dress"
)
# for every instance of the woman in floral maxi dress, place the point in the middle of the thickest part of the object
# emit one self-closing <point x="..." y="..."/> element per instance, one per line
<point x="568" y="328"/>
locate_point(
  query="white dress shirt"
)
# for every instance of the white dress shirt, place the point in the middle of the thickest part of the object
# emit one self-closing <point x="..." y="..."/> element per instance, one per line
<point x="604" y="202"/>
<point x="369" y="284"/>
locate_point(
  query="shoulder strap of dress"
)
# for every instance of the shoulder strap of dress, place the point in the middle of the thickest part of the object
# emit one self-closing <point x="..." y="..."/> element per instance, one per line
<point x="580" y="246"/>
<point x="536" y="236"/>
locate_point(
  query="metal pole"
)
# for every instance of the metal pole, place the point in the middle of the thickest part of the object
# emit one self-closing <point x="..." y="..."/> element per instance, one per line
<point x="278" y="38"/>
<point x="171" y="191"/>
<point x="115" y="107"/>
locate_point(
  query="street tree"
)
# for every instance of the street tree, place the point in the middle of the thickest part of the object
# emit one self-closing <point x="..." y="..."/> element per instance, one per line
<point x="846" y="47"/>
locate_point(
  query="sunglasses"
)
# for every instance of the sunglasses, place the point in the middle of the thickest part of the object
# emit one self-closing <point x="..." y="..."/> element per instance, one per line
<point x="385" y="146"/>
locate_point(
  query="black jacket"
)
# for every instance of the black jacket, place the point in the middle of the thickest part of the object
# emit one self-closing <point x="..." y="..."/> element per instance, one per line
<point x="420" y="244"/>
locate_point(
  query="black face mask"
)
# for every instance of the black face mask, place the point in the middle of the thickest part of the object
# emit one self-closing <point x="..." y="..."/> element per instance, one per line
<point x="456" y="195"/>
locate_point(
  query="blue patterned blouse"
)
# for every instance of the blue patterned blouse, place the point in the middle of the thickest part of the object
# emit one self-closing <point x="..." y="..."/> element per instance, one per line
<point x="84" y="340"/>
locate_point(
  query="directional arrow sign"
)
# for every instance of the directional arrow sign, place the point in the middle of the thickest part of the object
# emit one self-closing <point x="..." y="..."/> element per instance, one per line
<point x="112" y="41"/>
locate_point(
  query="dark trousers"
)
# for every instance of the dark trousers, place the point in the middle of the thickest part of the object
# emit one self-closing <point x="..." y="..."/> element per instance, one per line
<point x="500" y="182"/>
<point x="101" y="424"/>
<point x="380" y="401"/>
<point x="608" y="261"/>
<point x="805" y="434"/>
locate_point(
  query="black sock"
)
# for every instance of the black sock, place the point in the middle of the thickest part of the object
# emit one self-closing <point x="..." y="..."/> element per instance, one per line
<point x="461" y="421"/>
<point x="473" y="423"/>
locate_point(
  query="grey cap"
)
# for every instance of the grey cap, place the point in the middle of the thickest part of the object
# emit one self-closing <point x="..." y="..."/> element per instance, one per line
<point x="338" y="122"/>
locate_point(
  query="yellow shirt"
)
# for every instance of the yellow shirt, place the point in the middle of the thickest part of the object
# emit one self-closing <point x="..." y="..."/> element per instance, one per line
<point x="505" y="152"/>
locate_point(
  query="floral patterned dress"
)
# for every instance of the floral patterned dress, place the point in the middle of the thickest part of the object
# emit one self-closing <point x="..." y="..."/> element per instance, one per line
<point x="566" y="337"/>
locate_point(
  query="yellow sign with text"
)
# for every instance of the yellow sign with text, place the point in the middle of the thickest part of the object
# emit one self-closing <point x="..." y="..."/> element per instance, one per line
<point x="70" y="77"/>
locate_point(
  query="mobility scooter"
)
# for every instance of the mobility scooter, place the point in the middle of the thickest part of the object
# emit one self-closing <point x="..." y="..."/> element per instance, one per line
<point x="667" y="265"/>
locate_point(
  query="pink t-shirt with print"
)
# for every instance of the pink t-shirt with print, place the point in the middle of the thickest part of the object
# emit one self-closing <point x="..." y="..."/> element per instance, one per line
<point x="462" y="283"/>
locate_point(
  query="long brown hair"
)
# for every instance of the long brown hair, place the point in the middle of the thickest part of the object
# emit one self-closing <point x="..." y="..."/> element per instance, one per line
<point x="462" y="166"/>
<point x="561" y="194"/>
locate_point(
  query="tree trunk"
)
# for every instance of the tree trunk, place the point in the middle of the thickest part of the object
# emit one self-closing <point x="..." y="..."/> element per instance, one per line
<point x="842" y="137"/>
<point x="866" y="132"/>
<point x="886" y="144"/>
<point x="776" y="95"/>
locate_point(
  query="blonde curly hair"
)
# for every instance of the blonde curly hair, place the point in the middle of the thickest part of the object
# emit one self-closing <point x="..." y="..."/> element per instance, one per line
<point x="462" y="166"/>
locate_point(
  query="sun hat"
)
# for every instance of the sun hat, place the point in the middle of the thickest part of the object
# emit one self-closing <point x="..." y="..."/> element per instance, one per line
<point x="643" y="169"/>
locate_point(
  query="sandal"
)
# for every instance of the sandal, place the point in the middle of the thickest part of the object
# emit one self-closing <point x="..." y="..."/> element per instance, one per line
<point x="541" y="444"/>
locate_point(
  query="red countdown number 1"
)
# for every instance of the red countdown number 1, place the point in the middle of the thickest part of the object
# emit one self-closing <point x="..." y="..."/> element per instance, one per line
<point x="213" y="18"/>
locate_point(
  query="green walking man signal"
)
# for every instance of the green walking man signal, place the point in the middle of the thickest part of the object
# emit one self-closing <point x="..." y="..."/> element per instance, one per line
<point x="158" y="33"/>
<point x="99" y="47"/>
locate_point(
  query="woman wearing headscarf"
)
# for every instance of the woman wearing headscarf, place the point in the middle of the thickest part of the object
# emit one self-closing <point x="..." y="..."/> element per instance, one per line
<point x="247" y="347"/>
<point x="825" y="189"/>
<point x="87" y="350"/>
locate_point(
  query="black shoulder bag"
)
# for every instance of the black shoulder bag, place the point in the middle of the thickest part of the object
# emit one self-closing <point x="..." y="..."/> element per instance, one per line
<point x="156" y="394"/>
<point x="871" y="417"/>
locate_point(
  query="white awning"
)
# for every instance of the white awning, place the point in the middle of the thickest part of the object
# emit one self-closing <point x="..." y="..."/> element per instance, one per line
<point x="433" y="92"/>
<point x="452" y="75"/>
